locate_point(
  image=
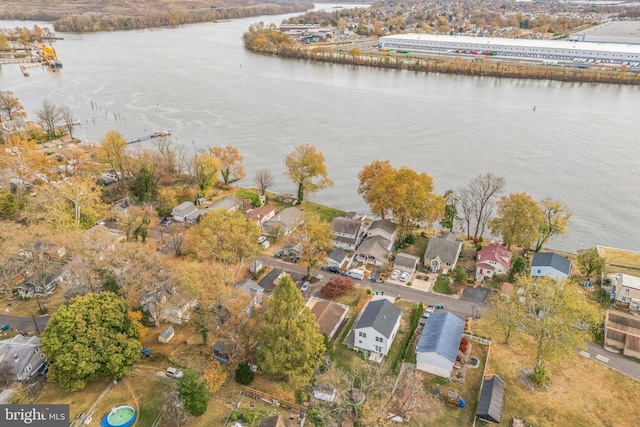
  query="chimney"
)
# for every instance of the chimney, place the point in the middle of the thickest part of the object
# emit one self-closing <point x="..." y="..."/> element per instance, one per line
<point x="15" y="358"/>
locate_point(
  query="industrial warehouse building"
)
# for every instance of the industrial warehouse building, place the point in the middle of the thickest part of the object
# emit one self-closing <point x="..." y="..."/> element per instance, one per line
<point x="546" y="50"/>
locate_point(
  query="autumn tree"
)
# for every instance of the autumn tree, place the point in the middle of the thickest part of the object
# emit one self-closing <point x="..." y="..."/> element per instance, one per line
<point x="337" y="286"/>
<point x="403" y="194"/>
<point x="590" y="262"/>
<point x="23" y="158"/>
<point x="230" y="160"/>
<point x="225" y="237"/>
<point x="518" y="220"/>
<point x="263" y="180"/>
<point x="555" y="219"/>
<point x="10" y="106"/>
<point x="113" y="148"/>
<point x="204" y="170"/>
<point x="291" y="344"/>
<point x="483" y="190"/>
<point x="558" y="318"/>
<point x="89" y="338"/>
<point x="506" y="311"/>
<point x="136" y="221"/>
<point x="214" y="376"/>
<point x="314" y="236"/>
<point x="306" y="168"/>
<point x="72" y="204"/>
<point x="68" y="118"/>
<point x="49" y="117"/>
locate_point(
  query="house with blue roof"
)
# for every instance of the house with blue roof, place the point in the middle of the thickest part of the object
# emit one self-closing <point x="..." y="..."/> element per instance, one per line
<point x="439" y="342"/>
<point x="550" y="264"/>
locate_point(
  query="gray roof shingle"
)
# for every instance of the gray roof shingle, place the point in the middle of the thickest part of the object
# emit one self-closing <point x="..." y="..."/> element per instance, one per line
<point x="553" y="260"/>
<point x="490" y="403"/>
<point x="447" y="247"/>
<point x="441" y="334"/>
<point x="381" y="315"/>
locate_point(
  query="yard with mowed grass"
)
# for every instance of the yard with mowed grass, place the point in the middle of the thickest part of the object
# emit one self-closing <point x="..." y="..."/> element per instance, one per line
<point x="583" y="392"/>
<point x="443" y="285"/>
<point x="620" y="260"/>
<point x="325" y="212"/>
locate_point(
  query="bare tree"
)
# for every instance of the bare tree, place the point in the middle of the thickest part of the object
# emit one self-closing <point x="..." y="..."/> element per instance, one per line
<point x="264" y="180"/>
<point x="174" y="237"/>
<point x="484" y="189"/>
<point x="68" y="118"/>
<point x="467" y="208"/>
<point x="49" y="116"/>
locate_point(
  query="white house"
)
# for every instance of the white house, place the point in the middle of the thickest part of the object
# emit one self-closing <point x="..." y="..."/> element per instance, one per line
<point x="439" y="342"/>
<point x="374" y="250"/>
<point x="336" y="257"/>
<point x="180" y="212"/>
<point x="492" y="260"/>
<point x="383" y="228"/>
<point x="376" y="327"/>
<point x="550" y="264"/>
<point x="289" y="219"/>
<point x="348" y="233"/>
<point x="627" y="292"/>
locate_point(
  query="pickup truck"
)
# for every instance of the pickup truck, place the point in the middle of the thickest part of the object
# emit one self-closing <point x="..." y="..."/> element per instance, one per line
<point x="427" y="312"/>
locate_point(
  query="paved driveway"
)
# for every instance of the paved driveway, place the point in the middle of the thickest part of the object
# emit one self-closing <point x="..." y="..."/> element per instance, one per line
<point x="24" y="324"/>
<point x="615" y="361"/>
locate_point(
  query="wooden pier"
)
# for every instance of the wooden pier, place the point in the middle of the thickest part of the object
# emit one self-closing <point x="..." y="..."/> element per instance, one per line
<point x="157" y="134"/>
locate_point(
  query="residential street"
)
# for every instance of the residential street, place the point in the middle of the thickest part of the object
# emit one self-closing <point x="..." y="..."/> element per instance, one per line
<point x="614" y="361"/>
<point x="24" y="324"/>
<point x="466" y="305"/>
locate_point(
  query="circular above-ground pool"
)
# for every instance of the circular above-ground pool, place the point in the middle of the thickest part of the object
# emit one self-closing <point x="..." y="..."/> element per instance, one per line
<point x="121" y="416"/>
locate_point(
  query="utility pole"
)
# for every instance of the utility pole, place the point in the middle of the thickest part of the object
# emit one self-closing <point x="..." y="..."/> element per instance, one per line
<point x="35" y="323"/>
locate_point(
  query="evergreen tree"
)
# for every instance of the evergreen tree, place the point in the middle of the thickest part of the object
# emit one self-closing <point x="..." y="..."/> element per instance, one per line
<point x="144" y="188"/>
<point x="292" y="346"/>
<point x="193" y="392"/>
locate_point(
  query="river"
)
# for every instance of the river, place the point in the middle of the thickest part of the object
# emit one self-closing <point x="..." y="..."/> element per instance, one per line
<point x="578" y="146"/>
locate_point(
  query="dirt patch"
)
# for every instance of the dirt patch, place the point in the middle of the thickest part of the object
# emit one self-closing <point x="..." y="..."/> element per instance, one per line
<point x="525" y="379"/>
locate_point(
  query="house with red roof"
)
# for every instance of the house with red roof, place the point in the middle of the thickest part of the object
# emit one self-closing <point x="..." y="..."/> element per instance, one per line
<point x="492" y="260"/>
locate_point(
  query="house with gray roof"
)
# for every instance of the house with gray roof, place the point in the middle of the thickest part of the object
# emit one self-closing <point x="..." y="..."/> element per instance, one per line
<point x="336" y="257"/>
<point x="374" y="250"/>
<point x="20" y="358"/>
<point x="383" y="228"/>
<point x="230" y="204"/>
<point x="289" y="219"/>
<point x="180" y="212"/>
<point x="442" y="252"/>
<point x="252" y="289"/>
<point x="406" y="262"/>
<point x="550" y="264"/>
<point x="438" y="344"/>
<point x="348" y="233"/>
<point x="376" y="327"/>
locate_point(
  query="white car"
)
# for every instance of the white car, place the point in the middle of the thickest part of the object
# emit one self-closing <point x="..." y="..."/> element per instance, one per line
<point x="174" y="373"/>
<point x="262" y="239"/>
<point x="404" y="277"/>
<point x="305" y="286"/>
<point x="395" y="274"/>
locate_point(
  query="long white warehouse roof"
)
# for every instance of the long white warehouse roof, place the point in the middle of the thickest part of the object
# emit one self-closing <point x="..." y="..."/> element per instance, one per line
<point x="500" y="41"/>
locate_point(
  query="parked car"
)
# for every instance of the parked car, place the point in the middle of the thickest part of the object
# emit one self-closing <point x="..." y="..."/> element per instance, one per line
<point x="262" y="239"/>
<point x="305" y="286"/>
<point x="395" y="274"/>
<point x="174" y="373"/>
<point x="404" y="277"/>
<point x="334" y="269"/>
<point x="356" y="274"/>
<point x="427" y="312"/>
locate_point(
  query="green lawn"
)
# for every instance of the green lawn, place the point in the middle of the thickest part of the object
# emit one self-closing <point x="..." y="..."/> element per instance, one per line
<point x="418" y="247"/>
<point x="443" y="285"/>
<point x="326" y="213"/>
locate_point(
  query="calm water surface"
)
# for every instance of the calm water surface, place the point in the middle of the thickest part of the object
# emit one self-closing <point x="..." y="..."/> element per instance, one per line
<point x="580" y="146"/>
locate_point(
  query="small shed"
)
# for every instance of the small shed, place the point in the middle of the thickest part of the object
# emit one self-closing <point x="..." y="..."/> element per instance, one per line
<point x="255" y="266"/>
<point x="491" y="397"/>
<point x="166" y="335"/>
<point x="223" y="350"/>
<point x="324" y="392"/>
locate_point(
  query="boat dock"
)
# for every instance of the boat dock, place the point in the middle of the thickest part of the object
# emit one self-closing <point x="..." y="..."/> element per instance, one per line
<point x="158" y="134"/>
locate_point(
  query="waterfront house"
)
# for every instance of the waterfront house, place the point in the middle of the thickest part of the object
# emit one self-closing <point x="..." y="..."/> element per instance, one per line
<point x="492" y="260"/>
<point x="550" y="264"/>
<point x="438" y="345"/>
<point x="20" y="358"/>
<point x="348" y="233"/>
<point x="230" y="204"/>
<point x="43" y="283"/>
<point x="289" y="218"/>
<point x="374" y="250"/>
<point x="383" y="228"/>
<point x="261" y="215"/>
<point x="375" y="328"/>
<point x="442" y="252"/>
<point x="627" y="292"/>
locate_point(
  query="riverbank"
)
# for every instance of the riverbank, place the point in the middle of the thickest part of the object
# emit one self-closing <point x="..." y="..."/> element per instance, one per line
<point x="112" y="15"/>
<point x="479" y="66"/>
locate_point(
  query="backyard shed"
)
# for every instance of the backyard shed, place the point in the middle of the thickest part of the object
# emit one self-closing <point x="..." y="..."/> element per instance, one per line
<point x="223" y="350"/>
<point x="324" y="392"/>
<point x="490" y="403"/>
<point x="166" y="335"/>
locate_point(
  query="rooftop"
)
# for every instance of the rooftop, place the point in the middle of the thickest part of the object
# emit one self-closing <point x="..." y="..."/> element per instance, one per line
<point x="442" y="335"/>
<point x="381" y="315"/>
<point x="553" y="260"/>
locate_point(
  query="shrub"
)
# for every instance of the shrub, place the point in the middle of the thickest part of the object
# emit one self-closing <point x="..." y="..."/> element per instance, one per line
<point x="337" y="286"/>
<point x="244" y="374"/>
<point x="409" y="283"/>
<point x="539" y="376"/>
<point x="410" y="239"/>
<point x="478" y="247"/>
<point x="476" y="240"/>
<point x="423" y="234"/>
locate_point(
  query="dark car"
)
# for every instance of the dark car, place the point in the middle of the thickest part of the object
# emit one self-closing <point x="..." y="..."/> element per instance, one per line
<point x="334" y="269"/>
